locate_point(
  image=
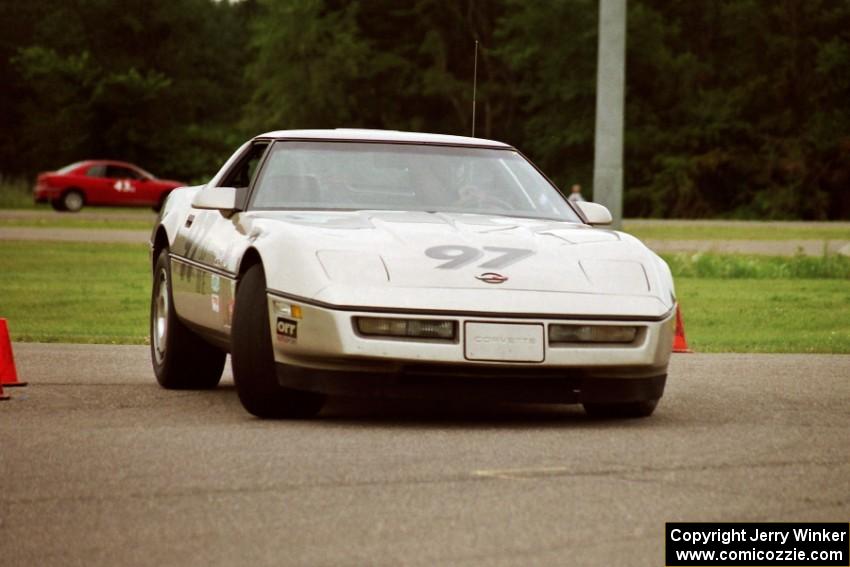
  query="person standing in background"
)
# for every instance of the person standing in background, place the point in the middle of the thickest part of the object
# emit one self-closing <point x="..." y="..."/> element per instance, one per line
<point x="575" y="195"/>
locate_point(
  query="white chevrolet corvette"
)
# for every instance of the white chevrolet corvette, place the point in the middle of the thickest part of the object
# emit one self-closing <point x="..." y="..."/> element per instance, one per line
<point x="378" y="263"/>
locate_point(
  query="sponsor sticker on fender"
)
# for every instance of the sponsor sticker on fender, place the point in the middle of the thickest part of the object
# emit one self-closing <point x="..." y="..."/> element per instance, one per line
<point x="287" y="330"/>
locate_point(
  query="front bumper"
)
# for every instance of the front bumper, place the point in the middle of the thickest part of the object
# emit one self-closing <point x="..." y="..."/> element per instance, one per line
<point x="45" y="193"/>
<point x="443" y="382"/>
<point x="323" y="352"/>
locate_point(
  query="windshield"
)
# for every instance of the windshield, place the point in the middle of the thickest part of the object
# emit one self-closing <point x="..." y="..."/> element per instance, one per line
<point x="410" y="177"/>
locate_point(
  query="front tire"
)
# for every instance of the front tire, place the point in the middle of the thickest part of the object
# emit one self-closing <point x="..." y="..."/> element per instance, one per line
<point x="252" y="357"/>
<point x="627" y="410"/>
<point x="72" y="201"/>
<point x="181" y="359"/>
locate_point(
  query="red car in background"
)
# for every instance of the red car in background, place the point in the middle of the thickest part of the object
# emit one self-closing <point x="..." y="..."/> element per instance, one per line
<point x="101" y="182"/>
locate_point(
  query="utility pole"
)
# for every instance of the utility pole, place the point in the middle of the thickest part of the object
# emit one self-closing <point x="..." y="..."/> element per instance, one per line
<point x="610" y="101"/>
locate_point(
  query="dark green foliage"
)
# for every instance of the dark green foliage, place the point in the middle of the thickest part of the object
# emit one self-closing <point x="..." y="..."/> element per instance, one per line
<point x="376" y="64"/>
<point x="551" y="52"/>
<point x="155" y="82"/>
<point x="742" y="100"/>
<point x="735" y="108"/>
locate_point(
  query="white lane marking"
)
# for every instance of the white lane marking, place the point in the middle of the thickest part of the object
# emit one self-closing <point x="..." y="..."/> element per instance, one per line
<point x="521" y="473"/>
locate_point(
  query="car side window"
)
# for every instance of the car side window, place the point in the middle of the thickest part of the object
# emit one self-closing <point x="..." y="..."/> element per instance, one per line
<point x="118" y="172"/>
<point x="96" y="171"/>
<point x="243" y="173"/>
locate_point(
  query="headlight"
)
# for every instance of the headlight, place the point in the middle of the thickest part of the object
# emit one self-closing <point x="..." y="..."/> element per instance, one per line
<point x="592" y="334"/>
<point x="287" y="309"/>
<point x="406" y="328"/>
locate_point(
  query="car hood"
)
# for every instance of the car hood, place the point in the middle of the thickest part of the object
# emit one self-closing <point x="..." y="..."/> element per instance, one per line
<point x="457" y="260"/>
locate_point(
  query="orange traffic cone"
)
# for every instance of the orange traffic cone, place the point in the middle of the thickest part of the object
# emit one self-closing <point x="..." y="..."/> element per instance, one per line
<point x="8" y="374"/>
<point x="679" y="342"/>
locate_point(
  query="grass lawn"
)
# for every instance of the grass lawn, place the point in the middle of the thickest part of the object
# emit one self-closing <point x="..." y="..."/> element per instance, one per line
<point x="674" y="230"/>
<point x="75" y="292"/>
<point x="99" y="293"/>
<point x="740" y="266"/>
<point x="16" y="194"/>
<point x="766" y="315"/>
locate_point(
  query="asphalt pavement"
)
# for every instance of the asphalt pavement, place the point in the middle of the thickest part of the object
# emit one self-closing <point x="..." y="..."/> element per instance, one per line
<point x="54" y="234"/>
<point x="89" y="213"/>
<point x="100" y="466"/>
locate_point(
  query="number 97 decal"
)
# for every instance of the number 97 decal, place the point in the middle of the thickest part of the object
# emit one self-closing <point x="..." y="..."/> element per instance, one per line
<point x="459" y="256"/>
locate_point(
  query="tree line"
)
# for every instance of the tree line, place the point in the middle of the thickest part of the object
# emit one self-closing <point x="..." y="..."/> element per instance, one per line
<point x="734" y="108"/>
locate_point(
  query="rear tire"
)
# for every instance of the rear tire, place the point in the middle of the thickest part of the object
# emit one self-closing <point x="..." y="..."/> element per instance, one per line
<point x="252" y="357"/>
<point x="57" y="205"/>
<point x="72" y="201"/>
<point x="181" y="359"/>
<point x="643" y="408"/>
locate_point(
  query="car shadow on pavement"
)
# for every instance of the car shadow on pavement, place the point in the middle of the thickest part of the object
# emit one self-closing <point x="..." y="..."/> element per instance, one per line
<point x="457" y="413"/>
<point x="462" y="414"/>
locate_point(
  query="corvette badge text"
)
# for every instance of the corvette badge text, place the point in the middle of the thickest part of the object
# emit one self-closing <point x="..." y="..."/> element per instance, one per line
<point x="484" y="339"/>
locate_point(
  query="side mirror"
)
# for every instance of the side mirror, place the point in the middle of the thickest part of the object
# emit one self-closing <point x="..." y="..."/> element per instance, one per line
<point x="216" y="198"/>
<point x="595" y="213"/>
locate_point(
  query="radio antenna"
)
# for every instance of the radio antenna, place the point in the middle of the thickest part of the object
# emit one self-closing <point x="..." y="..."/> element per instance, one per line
<point x="474" y="86"/>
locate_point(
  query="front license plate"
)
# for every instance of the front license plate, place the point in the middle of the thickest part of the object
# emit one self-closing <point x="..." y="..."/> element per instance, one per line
<point x="504" y="342"/>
